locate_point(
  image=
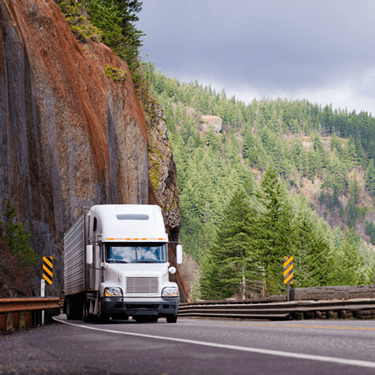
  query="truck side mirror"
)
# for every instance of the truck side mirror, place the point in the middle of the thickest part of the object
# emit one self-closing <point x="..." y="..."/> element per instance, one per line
<point x="89" y="257"/>
<point x="179" y="254"/>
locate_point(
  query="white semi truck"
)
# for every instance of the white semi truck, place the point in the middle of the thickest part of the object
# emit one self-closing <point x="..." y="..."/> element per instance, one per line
<point x="116" y="265"/>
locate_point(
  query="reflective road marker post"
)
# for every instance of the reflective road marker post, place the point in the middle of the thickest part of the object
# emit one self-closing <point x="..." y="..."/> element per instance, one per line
<point x="48" y="269"/>
<point x="288" y="273"/>
<point x="47" y="277"/>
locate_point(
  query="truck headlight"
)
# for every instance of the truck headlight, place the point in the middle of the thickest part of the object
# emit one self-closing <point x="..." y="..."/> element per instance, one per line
<point x="170" y="291"/>
<point x="113" y="292"/>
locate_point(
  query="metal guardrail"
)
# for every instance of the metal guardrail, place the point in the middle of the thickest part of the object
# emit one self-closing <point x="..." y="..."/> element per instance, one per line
<point x="28" y="304"/>
<point x="357" y="308"/>
<point x="25" y="312"/>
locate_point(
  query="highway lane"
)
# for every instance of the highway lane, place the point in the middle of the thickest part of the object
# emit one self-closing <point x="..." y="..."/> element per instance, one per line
<point x="193" y="346"/>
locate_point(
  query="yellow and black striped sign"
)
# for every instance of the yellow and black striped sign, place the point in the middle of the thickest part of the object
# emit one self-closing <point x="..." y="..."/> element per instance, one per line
<point x="48" y="269"/>
<point x="288" y="270"/>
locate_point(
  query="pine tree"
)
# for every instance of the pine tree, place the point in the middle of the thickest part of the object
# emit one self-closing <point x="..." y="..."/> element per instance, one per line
<point x="370" y="177"/>
<point x="360" y="154"/>
<point x="276" y="234"/>
<point x="319" y="270"/>
<point x="335" y="143"/>
<point x="348" y="264"/>
<point x="14" y="235"/>
<point x="232" y="265"/>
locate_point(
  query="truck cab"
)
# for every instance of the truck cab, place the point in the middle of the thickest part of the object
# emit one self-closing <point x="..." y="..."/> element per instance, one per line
<point x="126" y="268"/>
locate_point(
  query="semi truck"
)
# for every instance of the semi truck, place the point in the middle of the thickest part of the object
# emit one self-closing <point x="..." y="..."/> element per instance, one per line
<point x="116" y="266"/>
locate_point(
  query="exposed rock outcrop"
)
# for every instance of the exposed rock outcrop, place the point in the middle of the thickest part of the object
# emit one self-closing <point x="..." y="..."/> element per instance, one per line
<point x="70" y="137"/>
<point x="162" y="168"/>
<point x="215" y="121"/>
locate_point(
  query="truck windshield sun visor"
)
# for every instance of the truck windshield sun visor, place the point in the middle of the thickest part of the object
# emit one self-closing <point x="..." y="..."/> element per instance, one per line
<point x="136" y="252"/>
<point x="132" y="217"/>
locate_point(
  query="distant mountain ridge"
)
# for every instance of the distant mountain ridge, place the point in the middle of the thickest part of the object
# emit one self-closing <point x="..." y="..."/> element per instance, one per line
<point x="325" y="154"/>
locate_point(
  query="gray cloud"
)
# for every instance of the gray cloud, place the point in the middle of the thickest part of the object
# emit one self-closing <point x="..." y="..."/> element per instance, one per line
<point x="263" y="46"/>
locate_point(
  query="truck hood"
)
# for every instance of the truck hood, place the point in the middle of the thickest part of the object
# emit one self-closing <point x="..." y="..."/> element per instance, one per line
<point x="136" y="275"/>
<point x="136" y="269"/>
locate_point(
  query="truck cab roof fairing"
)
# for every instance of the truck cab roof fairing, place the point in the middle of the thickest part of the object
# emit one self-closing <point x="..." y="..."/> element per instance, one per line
<point x="123" y="222"/>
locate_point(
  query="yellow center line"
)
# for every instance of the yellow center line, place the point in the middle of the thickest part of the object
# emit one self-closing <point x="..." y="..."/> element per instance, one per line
<point x="293" y="326"/>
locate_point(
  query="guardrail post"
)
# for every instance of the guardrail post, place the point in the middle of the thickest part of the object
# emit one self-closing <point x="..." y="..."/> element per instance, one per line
<point x="6" y="322"/>
<point x="28" y="319"/>
<point x="3" y="318"/>
<point x="16" y="320"/>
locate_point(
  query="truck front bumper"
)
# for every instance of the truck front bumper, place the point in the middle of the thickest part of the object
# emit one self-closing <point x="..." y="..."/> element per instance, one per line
<point x="116" y="306"/>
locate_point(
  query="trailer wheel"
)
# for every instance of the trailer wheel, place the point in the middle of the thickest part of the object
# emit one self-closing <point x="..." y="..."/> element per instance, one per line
<point x="172" y="319"/>
<point x="85" y="314"/>
<point x="71" y="312"/>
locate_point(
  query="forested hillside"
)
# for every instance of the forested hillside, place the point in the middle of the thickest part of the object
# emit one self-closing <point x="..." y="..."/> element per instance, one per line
<point x="281" y="178"/>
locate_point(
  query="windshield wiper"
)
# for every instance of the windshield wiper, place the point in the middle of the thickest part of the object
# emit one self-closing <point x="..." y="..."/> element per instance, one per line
<point x="147" y="261"/>
<point x="116" y="261"/>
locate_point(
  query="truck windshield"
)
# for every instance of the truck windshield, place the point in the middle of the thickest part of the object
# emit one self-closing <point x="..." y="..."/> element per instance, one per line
<point x="136" y="253"/>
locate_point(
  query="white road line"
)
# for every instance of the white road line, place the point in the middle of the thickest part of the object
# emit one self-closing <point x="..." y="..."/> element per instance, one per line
<point x="340" y="361"/>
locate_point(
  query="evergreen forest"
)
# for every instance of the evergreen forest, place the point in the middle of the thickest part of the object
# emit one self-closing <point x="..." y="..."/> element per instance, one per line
<point x="280" y="178"/>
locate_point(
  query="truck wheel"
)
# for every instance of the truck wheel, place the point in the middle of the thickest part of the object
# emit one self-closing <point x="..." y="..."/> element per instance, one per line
<point x="71" y="314"/>
<point x="171" y="319"/>
<point x="86" y="316"/>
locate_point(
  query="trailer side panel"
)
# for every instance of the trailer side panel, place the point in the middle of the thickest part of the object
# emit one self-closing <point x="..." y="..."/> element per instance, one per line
<point x="74" y="245"/>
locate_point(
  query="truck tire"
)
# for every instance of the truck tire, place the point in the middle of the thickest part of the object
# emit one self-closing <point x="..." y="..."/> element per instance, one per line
<point x="71" y="310"/>
<point x="172" y="319"/>
<point x="86" y="316"/>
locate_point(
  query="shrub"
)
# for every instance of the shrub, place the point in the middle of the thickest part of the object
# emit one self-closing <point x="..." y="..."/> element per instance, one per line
<point x="76" y="17"/>
<point x="116" y="75"/>
<point x="14" y="235"/>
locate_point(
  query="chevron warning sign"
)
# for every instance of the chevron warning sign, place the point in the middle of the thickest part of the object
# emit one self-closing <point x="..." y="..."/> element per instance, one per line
<point x="48" y="269"/>
<point x="288" y="270"/>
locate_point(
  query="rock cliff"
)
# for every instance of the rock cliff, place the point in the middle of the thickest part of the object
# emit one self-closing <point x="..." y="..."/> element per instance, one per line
<point x="70" y="136"/>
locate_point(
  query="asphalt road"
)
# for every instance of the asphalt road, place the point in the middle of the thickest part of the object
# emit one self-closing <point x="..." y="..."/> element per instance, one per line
<point x="192" y="346"/>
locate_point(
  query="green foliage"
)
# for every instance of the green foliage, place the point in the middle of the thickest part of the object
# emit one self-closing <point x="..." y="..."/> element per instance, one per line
<point x="76" y="17"/>
<point x="275" y="230"/>
<point x="115" y="18"/>
<point x="109" y="21"/>
<point x="256" y="139"/>
<point x="14" y="235"/>
<point x="232" y="262"/>
<point x="370" y="230"/>
<point x="370" y="177"/>
<point x="116" y="75"/>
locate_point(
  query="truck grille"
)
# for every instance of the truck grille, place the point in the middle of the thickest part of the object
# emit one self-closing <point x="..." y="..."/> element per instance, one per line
<point x="142" y="285"/>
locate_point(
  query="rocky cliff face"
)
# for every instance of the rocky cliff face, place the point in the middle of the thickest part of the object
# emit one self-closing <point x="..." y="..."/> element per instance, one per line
<point x="70" y="137"/>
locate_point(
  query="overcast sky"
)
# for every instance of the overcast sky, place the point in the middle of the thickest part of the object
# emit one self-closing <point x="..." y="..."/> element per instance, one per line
<point x="319" y="50"/>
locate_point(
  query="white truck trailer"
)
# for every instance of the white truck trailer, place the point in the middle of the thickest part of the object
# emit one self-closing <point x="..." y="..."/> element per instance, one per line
<point x="116" y="265"/>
